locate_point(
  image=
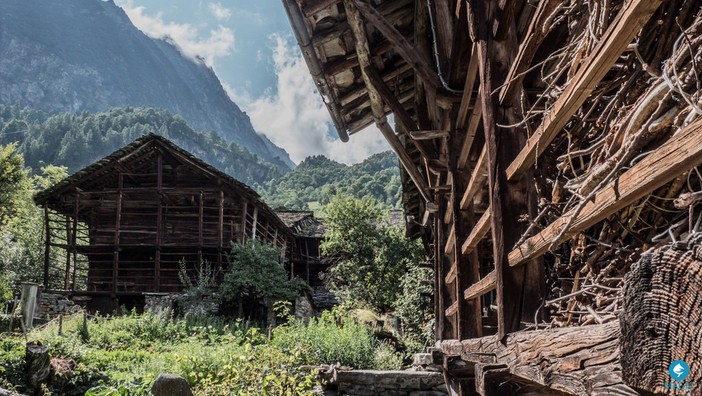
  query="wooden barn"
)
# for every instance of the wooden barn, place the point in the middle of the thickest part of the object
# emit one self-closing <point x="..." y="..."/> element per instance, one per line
<point x="306" y="261"/>
<point x="549" y="154"/>
<point x="122" y="226"/>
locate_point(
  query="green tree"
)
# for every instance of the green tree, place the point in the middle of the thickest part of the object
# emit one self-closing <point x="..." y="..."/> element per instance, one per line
<point x="13" y="182"/>
<point x="373" y="257"/>
<point x="255" y="271"/>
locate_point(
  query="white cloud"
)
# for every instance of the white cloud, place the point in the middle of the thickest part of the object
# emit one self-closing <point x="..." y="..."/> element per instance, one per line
<point x="219" y="11"/>
<point x="295" y="117"/>
<point x="218" y="43"/>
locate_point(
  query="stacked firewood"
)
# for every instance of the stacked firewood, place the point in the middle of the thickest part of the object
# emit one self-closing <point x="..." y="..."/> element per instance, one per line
<point x="652" y="91"/>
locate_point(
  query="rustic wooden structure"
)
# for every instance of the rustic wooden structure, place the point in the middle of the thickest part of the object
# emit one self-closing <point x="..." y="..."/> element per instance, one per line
<point x="542" y="143"/>
<point x="306" y="261"/>
<point x="123" y="225"/>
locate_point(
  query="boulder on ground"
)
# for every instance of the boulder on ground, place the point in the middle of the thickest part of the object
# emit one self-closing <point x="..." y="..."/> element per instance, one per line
<point x="171" y="385"/>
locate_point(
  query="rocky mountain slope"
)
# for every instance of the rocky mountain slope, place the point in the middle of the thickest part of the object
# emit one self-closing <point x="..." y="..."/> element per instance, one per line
<point x="86" y="56"/>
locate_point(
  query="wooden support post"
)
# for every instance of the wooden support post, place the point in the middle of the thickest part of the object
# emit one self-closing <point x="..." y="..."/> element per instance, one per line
<point x="469" y="319"/>
<point x="159" y="222"/>
<point x="74" y="232"/>
<point x="307" y="261"/>
<point x="118" y="221"/>
<point x="47" y="246"/>
<point x="220" y="229"/>
<point x="255" y="222"/>
<point x="507" y="200"/>
<point x="67" y="272"/>
<point x="440" y="285"/>
<point x="244" y="206"/>
<point x="200" y="227"/>
<point x="377" y="105"/>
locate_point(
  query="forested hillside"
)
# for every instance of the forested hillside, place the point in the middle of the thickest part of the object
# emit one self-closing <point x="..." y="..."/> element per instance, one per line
<point x="78" y="140"/>
<point x="318" y="178"/>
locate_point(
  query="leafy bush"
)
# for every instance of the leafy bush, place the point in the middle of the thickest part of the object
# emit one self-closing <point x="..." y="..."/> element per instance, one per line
<point x="327" y="340"/>
<point x="255" y="271"/>
<point x="386" y="358"/>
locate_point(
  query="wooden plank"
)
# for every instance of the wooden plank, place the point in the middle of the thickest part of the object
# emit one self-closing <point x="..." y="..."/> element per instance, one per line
<point x="477" y="179"/>
<point x="580" y="360"/>
<point x="484" y="285"/>
<point x="311" y="7"/>
<point x="405" y="159"/>
<point x="428" y="135"/>
<point x="244" y="208"/>
<point x="479" y="231"/>
<point x="473" y="124"/>
<point x="402" y="46"/>
<point x="682" y="152"/>
<point x="533" y="38"/>
<point x="468" y="87"/>
<point x="615" y="40"/>
<point x="451" y="242"/>
<point x="452" y="309"/>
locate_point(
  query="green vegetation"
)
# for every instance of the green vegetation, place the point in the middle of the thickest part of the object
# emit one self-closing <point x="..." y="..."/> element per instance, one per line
<point x="255" y="272"/>
<point x="317" y="179"/>
<point x="76" y="141"/>
<point x="21" y="222"/>
<point x="378" y="268"/>
<point x="216" y="357"/>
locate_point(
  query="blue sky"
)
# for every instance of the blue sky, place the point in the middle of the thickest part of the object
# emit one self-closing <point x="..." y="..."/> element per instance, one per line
<point x="252" y="49"/>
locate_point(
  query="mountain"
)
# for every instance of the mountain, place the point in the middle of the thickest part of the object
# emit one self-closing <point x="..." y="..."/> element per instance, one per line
<point x="76" y="141"/>
<point x="317" y="179"/>
<point x="73" y="56"/>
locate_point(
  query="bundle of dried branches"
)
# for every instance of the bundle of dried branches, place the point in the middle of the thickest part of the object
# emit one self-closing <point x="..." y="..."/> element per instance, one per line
<point x="652" y="91"/>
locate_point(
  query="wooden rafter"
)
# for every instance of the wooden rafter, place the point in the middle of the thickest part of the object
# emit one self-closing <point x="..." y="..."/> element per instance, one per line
<point x="615" y="40"/>
<point x="669" y="161"/>
<point x="402" y="46"/>
<point x="377" y="105"/>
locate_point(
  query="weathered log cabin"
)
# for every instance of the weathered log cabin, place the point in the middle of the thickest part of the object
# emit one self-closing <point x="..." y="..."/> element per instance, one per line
<point x="122" y="226"/>
<point x="546" y="147"/>
<point x="306" y="261"/>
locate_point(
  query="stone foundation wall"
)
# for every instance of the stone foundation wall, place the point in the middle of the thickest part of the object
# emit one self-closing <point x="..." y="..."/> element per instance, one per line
<point x="390" y="383"/>
<point x="157" y="303"/>
<point x="52" y="305"/>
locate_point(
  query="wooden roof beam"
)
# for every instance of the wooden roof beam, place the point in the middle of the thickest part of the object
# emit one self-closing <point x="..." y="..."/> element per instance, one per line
<point x="311" y="7"/>
<point x="339" y="64"/>
<point x="682" y="152"/>
<point x="615" y="40"/>
<point x="402" y="46"/>
<point x="361" y="91"/>
<point x="377" y="106"/>
<point x="398" y="110"/>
